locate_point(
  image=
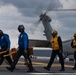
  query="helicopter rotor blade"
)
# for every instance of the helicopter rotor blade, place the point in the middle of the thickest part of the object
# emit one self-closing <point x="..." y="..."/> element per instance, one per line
<point x="38" y="10"/>
<point x="60" y="10"/>
<point x="35" y="25"/>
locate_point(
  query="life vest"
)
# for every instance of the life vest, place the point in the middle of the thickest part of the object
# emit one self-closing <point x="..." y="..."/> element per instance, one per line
<point x="54" y="42"/>
<point x="74" y="43"/>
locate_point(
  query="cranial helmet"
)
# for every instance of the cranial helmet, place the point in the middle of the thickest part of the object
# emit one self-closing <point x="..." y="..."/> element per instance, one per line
<point x="54" y="32"/>
<point x="21" y="28"/>
<point x="1" y="33"/>
<point x="74" y="34"/>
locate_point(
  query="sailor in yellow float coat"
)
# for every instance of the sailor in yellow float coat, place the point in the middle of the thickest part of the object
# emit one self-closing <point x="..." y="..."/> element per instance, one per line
<point x="56" y="43"/>
<point x="73" y="45"/>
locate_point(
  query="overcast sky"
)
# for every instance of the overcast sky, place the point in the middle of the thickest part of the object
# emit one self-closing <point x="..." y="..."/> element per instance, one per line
<point x="26" y="12"/>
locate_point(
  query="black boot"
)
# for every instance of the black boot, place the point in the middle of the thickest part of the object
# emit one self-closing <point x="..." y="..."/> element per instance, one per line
<point x="62" y="69"/>
<point x="48" y="69"/>
<point x="10" y="69"/>
<point x="74" y="68"/>
<point x="31" y="69"/>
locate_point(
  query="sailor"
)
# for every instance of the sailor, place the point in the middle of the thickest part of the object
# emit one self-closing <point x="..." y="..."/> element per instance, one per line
<point x="56" y="43"/>
<point x="4" y="47"/>
<point x="73" y="45"/>
<point x="23" y="43"/>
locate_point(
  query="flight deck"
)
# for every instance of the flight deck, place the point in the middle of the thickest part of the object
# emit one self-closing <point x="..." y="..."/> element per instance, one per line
<point x="21" y="69"/>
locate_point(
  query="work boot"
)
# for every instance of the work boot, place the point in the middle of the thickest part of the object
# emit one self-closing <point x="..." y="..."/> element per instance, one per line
<point x="62" y="69"/>
<point x="30" y="70"/>
<point x="48" y="69"/>
<point x="74" y="68"/>
<point x="10" y="69"/>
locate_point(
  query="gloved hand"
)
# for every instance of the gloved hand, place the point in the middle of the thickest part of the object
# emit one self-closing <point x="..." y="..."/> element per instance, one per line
<point x="8" y="50"/>
<point x="25" y="51"/>
<point x="74" y="46"/>
<point x="0" y="47"/>
<point x="60" y="51"/>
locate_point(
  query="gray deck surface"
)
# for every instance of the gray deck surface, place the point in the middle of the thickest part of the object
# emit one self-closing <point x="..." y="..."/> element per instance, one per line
<point x="21" y="69"/>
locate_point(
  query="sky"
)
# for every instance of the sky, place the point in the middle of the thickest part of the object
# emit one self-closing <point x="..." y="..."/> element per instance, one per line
<point x="26" y="12"/>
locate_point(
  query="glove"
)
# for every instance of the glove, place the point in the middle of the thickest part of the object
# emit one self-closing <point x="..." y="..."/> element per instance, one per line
<point x="25" y="51"/>
<point x="60" y="51"/>
<point x="74" y="46"/>
<point x="0" y="47"/>
<point x="8" y="50"/>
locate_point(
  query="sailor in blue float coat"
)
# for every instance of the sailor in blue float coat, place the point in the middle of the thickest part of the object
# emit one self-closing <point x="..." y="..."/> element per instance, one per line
<point x="4" y="41"/>
<point x="23" y="43"/>
<point x="5" y="46"/>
